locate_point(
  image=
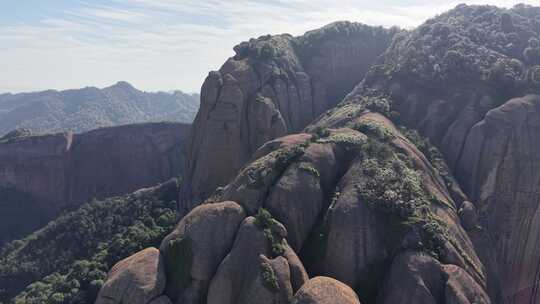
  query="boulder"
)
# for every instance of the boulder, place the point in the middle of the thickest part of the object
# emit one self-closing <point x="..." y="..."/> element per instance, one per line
<point x="257" y="266"/>
<point x="273" y="85"/>
<point x="137" y="279"/>
<point x="468" y="215"/>
<point x="325" y="290"/>
<point x="197" y="246"/>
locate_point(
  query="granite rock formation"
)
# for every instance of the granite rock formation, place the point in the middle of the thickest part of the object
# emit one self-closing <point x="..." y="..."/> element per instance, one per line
<point x="420" y="186"/>
<point x="468" y="80"/>
<point x="42" y="175"/>
<point x="273" y="86"/>
<point x="347" y="201"/>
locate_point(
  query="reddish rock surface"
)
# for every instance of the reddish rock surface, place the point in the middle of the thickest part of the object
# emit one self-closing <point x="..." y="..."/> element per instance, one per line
<point x="43" y="175"/>
<point x="273" y="86"/>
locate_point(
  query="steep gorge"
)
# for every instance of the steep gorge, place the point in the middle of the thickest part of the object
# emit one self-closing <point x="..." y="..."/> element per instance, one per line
<point x="41" y="176"/>
<point x="274" y="85"/>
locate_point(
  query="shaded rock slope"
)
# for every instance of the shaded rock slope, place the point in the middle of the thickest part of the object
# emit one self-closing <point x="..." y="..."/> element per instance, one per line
<point x="89" y="108"/>
<point x="420" y="186"/>
<point x="42" y="175"/>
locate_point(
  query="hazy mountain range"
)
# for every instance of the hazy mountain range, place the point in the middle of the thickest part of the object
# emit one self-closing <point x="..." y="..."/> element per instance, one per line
<point x="88" y="108"/>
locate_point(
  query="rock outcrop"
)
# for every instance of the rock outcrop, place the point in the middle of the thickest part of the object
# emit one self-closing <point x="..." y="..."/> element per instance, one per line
<point x="138" y="279"/>
<point x="467" y="81"/>
<point x="274" y="85"/>
<point x="352" y="196"/>
<point x="324" y="290"/>
<point x="500" y="167"/>
<point x="196" y="247"/>
<point x="349" y="200"/>
<point x="42" y="175"/>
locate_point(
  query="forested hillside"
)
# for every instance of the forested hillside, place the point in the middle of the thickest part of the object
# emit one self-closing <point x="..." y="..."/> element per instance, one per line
<point x="67" y="261"/>
<point x="91" y="108"/>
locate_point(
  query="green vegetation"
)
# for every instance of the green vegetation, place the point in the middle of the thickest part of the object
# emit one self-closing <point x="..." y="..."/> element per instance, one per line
<point x="349" y="140"/>
<point x="378" y="37"/>
<point x="263" y="172"/>
<point x="67" y="261"/>
<point x="265" y="47"/>
<point x="265" y="221"/>
<point x="466" y="46"/>
<point x="379" y="104"/>
<point x="433" y="154"/>
<point x="319" y="133"/>
<point x="269" y="277"/>
<point x="309" y="169"/>
<point x="396" y="191"/>
<point x="373" y="128"/>
<point x="15" y="135"/>
<point x="353" y="108"/>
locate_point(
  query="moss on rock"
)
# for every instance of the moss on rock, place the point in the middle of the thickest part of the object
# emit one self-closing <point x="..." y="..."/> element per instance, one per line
<point x="269" y="277"/>
<point x="271" y="229"/>
<point x="396" y="191"/>
<point x="309" y="169"/>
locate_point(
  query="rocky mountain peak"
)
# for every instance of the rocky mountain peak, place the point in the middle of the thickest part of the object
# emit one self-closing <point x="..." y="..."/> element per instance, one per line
<point x="358" y="164"/>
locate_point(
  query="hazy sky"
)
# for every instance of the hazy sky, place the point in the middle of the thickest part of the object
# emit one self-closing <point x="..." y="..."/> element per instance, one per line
<point x="165" y="44"/>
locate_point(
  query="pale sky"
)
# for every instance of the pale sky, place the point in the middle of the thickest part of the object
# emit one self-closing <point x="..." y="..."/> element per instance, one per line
<point x="166" y="44"/>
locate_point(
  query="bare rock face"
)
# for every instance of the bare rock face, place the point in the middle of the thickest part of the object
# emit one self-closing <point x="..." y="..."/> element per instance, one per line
<point x="259" y="266"/>
<point x="136" y="156"/>
<point x="137" y="279"/>
<point x="419" y="278"/>
<point x="274" y="85"/>
<point x="196" y="247"/>
<point x="324" y="290"/>
<point x="32" y="182"/>
<point x="468" y="215"/>
<point x="360" y="200"/>
<point x="476" y="99"/>
<point x="500" y="164"/>
<point x="42" y="175"/>
<point x="36" y="164"/>
<point x="461" y="287"/>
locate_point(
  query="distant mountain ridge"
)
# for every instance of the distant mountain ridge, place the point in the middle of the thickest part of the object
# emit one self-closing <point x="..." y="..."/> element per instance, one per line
<point x="80" y="110"/>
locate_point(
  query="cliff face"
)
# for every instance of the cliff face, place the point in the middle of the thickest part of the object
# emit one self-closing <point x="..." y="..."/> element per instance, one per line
<point x="501" y="166"/>
<point x="43" y="175"/>
<point x="467" y="80"/>
<point x="274" y="85"/>
<point x="357" y="206"/>
<point x="32" y="177"/>
<point x="359" y="203"/>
